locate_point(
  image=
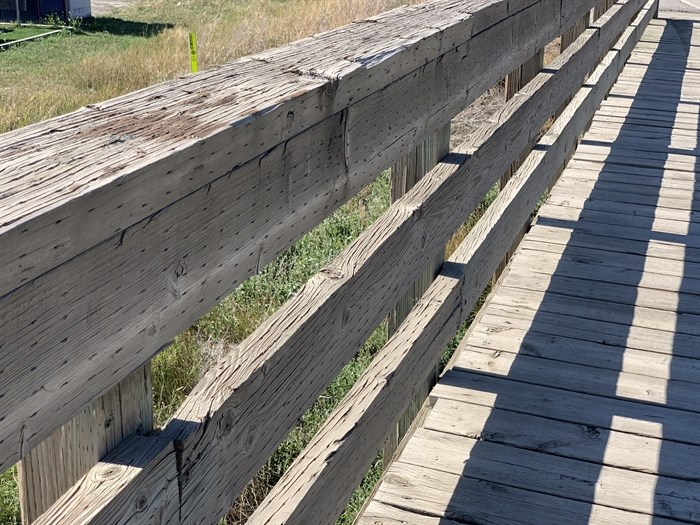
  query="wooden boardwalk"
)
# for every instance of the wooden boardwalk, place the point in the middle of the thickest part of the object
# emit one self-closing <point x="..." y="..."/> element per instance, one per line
<point x="575" y="397"/>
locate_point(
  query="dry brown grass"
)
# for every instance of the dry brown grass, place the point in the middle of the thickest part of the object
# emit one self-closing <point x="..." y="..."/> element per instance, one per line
<point x="62" y="74"/>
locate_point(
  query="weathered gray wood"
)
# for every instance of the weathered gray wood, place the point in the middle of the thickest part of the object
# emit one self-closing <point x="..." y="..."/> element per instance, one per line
<point x="244" y="407"/>
<point x="357" y="426"/>
<point x="655" y="364"/>
<point x="605" y="333"/>
<point x="53" y="467"/>
<point x="617" y="239"/>
<point x="570" y="35"/>
<point x="191" y="253"/>
<point x="514" y="82"/>
<point x="554" y="475"/>
<point x="378" y="513"/>
<point x="443" y="494"/>
<point x="404" y="176"/>
<point x="135" y="458"/>
<point x="562" y="438"/>
<point x="112" y="162"/>
<point x="584" y="409"/>
<point x="579" y="378"/>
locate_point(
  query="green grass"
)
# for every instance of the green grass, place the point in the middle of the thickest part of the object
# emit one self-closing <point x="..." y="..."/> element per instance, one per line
<point x="12" y="33"/>
<point x="9" y="501"/>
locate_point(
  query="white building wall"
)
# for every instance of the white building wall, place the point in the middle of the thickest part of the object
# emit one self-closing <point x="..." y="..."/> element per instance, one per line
<point x="79" y="8"/>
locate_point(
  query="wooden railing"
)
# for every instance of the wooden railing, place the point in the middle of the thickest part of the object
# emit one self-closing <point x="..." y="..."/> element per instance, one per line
<point x="123" y="223"/>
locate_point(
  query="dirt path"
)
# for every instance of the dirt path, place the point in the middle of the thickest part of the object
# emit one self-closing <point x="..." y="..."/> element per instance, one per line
<point x="105" y="7"/>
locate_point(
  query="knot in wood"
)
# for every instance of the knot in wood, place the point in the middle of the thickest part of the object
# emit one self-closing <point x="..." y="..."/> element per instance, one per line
<point x="109" y="472"/>
<point x="225" y="425"/>
<point x="332" y="273"/>
<point x="140" y="503"/>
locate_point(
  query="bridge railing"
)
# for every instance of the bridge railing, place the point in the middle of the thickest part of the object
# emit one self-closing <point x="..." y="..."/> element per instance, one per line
<point x="123" y="223"/>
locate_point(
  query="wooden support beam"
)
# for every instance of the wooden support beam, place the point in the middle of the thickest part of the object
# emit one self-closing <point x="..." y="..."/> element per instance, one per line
<point x="316" y="487"/>
<point x="514" y="82"/>
<point x="405" y="174"/>
<point x="56" y="464"/>
<point x="165" y="223"/>
<point x="245" y="406"/>
<point x="571" y="34"/>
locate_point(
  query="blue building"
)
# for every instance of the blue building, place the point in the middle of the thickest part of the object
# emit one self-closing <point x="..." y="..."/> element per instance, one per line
<point x="33" y="10"/>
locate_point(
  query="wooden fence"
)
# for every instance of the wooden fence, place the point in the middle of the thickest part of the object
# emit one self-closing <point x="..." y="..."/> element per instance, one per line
<point x="123" y="223"/>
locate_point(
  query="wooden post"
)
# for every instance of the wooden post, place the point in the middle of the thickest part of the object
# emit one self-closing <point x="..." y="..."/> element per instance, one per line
<point x="514" y="82"/>
<point x="404" y="175"/>
<point x="602" y="8"/>
<point x="571" y="34"/>
<point x="53" y="467"/>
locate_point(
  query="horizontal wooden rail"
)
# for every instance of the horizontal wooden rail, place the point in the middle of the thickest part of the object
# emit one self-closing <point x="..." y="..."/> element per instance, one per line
<point x="322" y="479"/>
<point x="132" y="232"/>
<point x="245" y="406"/>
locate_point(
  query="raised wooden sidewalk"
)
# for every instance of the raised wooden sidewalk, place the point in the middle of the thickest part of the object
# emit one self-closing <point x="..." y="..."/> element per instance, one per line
<point x="574" y="397"/>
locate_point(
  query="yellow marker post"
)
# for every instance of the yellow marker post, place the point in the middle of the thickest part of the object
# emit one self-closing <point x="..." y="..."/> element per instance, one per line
<point x="193" y="53"/>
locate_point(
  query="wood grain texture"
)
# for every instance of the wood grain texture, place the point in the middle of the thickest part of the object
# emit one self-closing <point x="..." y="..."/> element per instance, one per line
<point x="438" y="493"/>
<point x="337" y="458"/>
<point x="404" y="176"/>
<point x="70" y="183"/>
<point x="53" y="467"/>
<point x="561" y="438"/>
<point x="567" y="478"/>
<point x="243" y="408"/>
<point x="143" y="285"/>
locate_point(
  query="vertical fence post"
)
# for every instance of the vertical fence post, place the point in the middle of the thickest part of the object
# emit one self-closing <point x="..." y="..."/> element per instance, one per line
<point x="56" y="464"/>
<point x="602" y="8"/>
<point x="571" y="34"/>
<point x="404" y="175"/>
<point x="514" y="82"/>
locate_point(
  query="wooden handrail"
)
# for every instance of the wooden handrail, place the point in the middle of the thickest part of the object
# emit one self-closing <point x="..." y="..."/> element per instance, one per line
<point x="157" y="269"/>
<point x="315" y="488"/>
<point x="268" y="147"/>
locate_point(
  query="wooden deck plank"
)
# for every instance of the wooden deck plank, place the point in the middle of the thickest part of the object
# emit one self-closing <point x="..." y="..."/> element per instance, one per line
<point x="554" y="475"/>
<point x="578" y="385"/>
<point x="437" y="493"/>
<point x="623" y="415"/>
<point x="605" y="333"/>
<point x="560" y="438"/>
<point x="565" y="376"/>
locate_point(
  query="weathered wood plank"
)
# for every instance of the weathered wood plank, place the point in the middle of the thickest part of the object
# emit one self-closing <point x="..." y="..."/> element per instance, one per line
<point x="448" y="495"/>
<point x="579" y="378"/>
<point x="561" y="438"/>
<point x="663" y="364"/>
<point x="576" y="262"/>
<point x="554" y="475"/>
<point x="602" y="332"/>
<point x="53" y="467"/>
<point x="404" y="176"/>
<point x="642" y="419"/>
<point x="190" y="254"/>
<point x="621" y="313"/>
<point x="110" y="161"/>
<point x="656" y="226"/>
<point x="561" y="233"/>
<point x="356" y="428"/>
<point x="378" y="513"/>
<point x="137" y="457"/>
<point x="234" y="420"/>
